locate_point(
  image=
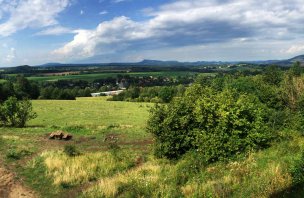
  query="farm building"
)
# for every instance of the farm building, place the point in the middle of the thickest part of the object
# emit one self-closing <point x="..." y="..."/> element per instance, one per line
<point x="107" y="93"/>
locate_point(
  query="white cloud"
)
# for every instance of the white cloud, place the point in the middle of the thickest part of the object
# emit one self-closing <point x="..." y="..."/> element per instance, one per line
<point x="55" y="30"/>
<point x="118" y="1"/>
<point x="193" y="22"/>
<point x="103" y="12"/>
<point x="10" y="56"/>
<point x="31" y="14"/>
<point x="82" y="12"/>
<point x="107" y="34"/>
<point x="295" y="49"/>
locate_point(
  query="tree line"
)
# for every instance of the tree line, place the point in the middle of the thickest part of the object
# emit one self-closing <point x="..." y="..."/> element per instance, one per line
<point x="20" y="87"/>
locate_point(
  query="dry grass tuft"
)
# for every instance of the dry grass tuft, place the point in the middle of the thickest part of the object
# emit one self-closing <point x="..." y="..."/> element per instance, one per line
<point x="80" y="169"/>
<point x="109" y="187"/>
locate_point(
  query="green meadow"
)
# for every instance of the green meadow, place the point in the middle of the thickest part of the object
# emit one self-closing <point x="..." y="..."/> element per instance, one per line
<point x="93" y="115"/>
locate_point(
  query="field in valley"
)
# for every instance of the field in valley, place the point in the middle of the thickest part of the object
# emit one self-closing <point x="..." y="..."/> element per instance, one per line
<point x="116" y="159"/>
<point x="91" y="77"/>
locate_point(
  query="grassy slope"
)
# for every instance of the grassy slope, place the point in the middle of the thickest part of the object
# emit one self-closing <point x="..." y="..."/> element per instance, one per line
<point x="132" y="171"/>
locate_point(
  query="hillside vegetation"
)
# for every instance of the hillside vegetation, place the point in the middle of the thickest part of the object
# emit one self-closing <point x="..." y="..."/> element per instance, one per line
<point x="226" y="136"/>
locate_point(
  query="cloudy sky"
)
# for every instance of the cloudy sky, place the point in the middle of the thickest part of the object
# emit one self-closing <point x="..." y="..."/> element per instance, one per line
<point x="40" y="31"/>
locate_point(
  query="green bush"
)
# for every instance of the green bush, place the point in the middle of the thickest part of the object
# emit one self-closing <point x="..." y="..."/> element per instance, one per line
<point x="217" y="125"/>
<point x="71" y="150"/>
<point x="16" y="113"/>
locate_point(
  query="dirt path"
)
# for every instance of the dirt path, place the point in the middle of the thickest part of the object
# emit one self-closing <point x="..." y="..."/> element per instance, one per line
<point x="11" y="188"/>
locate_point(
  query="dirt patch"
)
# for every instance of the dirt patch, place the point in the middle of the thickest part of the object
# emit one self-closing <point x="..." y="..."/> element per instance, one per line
<point x="11" y="188"/>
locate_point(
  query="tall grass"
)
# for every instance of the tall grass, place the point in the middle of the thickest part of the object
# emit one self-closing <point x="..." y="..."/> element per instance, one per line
<point x="259" y="174"/>
<point x="142" y="177"/>
<point x="71" y="171"/>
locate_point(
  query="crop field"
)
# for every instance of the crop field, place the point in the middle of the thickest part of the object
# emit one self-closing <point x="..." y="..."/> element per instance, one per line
<point x="126" y="167"/>
<point x="91" y="77"/>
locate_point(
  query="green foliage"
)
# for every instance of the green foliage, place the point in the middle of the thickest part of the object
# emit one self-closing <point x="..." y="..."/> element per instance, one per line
<point x="267" y="93"/>
<point x="71" y="150"/>
<point x="296" y="69"/>
<point x="272" y="75"/>
<point x="19" y="87"/>
<point x="15" y="154"/>
<point x="297" y="170"/>
<point x="6" y="90"/>
<point x="171" y="127"/>
<point x="217" y="125"/>
<point x="16" y="113"/>
<point x="158" y="94"/>
<point x="292" y="91"/>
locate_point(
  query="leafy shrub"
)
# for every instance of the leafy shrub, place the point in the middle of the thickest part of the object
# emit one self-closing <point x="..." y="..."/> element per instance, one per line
<point x="71" y="150"/>
<point x="16" y="113"/>
<point x="217" y="125"/>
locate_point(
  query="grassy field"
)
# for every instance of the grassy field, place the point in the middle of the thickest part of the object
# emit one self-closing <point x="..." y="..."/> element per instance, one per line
<point x="92" y="116"/>
<point x="90" y="121"/>
<point x="91" y="77"/>
<point x="126" y="166"/>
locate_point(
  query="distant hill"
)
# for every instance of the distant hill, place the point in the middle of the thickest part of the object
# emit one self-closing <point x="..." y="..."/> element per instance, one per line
<point x="51" y="65"/>
<point x="21" y="69"/>
<point x="159" y="63"/>
<point x="289" y="62"/>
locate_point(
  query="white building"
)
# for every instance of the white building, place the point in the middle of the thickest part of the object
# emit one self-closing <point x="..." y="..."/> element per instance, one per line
<point x="107" y="93"/>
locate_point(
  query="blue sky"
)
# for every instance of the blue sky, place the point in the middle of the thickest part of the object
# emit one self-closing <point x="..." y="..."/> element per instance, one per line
<point x="40" y="31"/>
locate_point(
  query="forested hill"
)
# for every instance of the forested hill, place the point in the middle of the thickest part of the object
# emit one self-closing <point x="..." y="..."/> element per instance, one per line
<point x="287" y="62"/>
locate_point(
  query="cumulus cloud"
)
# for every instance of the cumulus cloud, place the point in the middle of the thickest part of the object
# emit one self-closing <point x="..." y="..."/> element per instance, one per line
<point x="192" y="22"/>
<point x="30" y="14"/>
<point x="108" y="37"/>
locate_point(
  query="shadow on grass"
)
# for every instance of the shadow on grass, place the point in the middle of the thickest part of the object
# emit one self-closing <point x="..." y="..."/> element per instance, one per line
<point x="296" y="191"/>
<point x="34" y="126"/>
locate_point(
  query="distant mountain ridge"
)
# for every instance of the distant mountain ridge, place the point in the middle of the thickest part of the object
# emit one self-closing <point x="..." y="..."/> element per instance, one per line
<point x="146" y="62"/>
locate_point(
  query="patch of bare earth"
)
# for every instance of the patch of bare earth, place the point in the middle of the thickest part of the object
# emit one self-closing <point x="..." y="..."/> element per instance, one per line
<point x="11" y="188"/>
